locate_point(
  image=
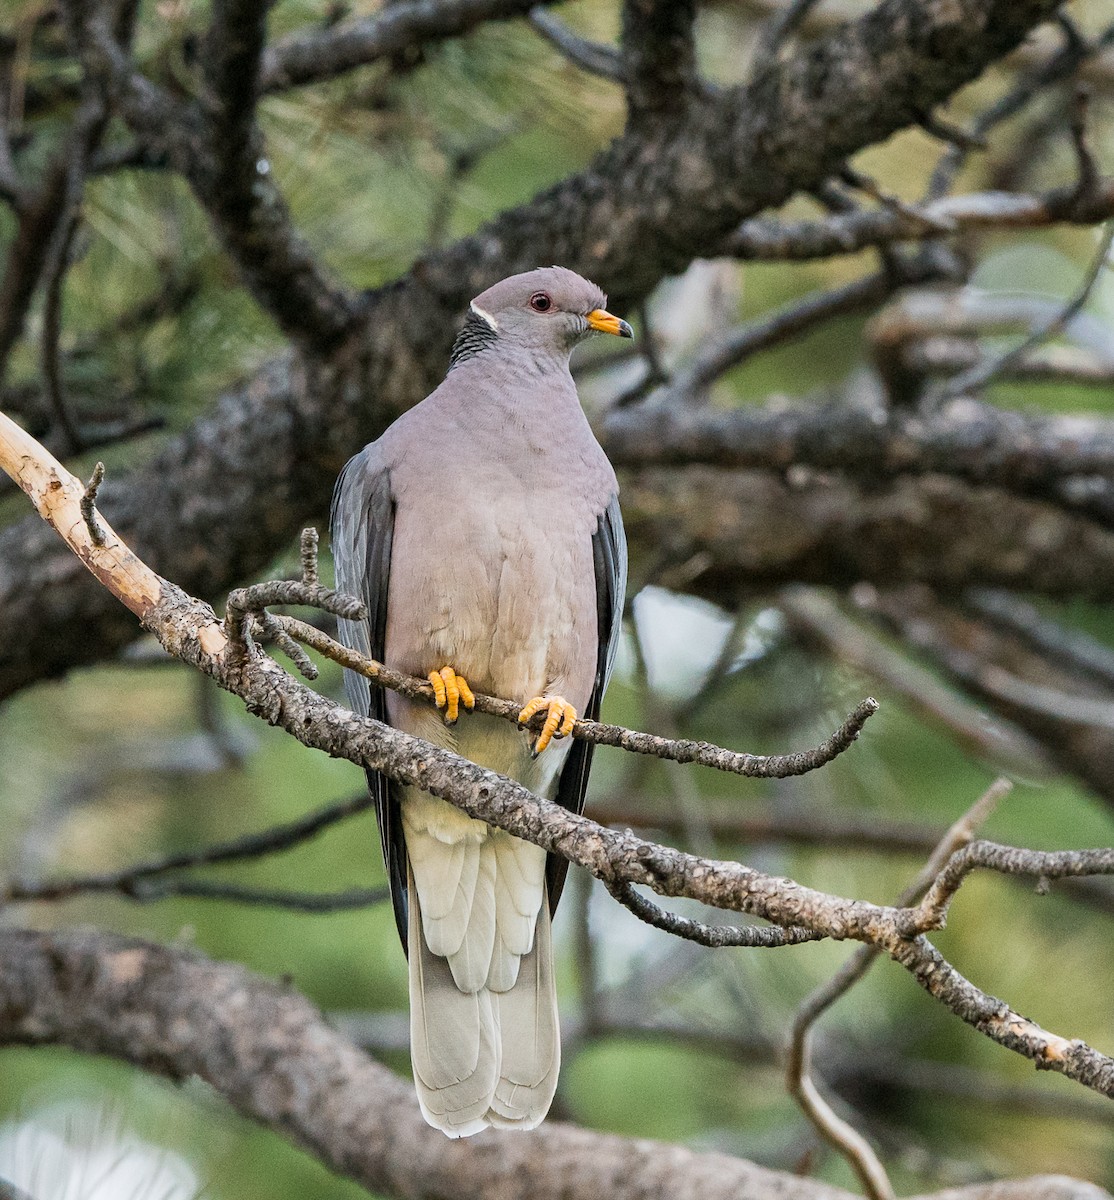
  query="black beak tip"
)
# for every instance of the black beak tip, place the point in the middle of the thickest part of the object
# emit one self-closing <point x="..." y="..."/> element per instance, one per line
<point x="625" y="330"/>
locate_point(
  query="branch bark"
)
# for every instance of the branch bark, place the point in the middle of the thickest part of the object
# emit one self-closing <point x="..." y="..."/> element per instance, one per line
<point x="1049" y="457"/>
<point x="658" y="57"/>
<point x="312" y="57"/>
<point x="269" y="1053"/>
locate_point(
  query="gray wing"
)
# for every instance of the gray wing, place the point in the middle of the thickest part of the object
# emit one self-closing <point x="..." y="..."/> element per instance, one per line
<point x="609" y="555"/>
<point x="362" y="523"/>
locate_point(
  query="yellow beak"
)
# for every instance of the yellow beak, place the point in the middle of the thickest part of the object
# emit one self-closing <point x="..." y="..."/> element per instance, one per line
<point x="602" y="320"/>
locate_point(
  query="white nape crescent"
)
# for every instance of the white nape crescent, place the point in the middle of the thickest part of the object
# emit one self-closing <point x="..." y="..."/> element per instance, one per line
<point x="484" y="315"/>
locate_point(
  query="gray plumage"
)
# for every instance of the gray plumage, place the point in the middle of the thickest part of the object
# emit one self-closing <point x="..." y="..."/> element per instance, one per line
<point x="483" y="532"/>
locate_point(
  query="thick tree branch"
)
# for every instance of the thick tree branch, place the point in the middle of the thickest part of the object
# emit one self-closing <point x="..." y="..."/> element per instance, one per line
<point x="767" y="238"/>
<point x="1043" y="456"/>
<point x="658" y="57"/>
<point x="219" y="150"/>
<point x="270" y="1054"/>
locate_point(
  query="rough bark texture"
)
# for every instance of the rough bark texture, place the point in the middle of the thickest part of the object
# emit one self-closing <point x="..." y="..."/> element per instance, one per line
<point x="268" y="1051"/>
<point x="216" y="504"/>
<point x="727" y="531"/>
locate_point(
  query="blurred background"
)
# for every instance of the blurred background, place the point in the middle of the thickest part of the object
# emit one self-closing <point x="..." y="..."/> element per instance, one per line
<point x="140" y="758"/>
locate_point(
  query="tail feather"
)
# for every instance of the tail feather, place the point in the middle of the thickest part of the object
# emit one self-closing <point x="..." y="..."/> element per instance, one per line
<point x="445" y="875"/>
<point x="485" y="1039"/>
<point x="531" y="1038"/>
<point x="454" y="1042"/>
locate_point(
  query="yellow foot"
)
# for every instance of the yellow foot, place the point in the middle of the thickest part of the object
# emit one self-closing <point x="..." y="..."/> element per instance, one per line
<point x="451" y="690"/>
<point x="559" y="719"/>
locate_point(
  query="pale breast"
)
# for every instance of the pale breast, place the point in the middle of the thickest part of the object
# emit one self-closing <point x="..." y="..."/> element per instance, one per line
<point x="503" y="593"/>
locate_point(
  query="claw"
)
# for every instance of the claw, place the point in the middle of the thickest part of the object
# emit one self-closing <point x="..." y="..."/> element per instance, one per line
<point x="450" y="690"/>
<point x="559" y="720"/>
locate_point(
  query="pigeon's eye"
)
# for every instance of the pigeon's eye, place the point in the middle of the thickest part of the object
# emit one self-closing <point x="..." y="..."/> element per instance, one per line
<point x="540" y="302"/>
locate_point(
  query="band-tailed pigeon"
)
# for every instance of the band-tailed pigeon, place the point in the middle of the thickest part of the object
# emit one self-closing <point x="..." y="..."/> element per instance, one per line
<point x="483" y="532"/>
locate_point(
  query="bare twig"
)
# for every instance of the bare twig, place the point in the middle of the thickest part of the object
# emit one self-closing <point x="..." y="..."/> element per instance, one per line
<point x="768" y="238"/>
<point x="783" y="324"/>
<point x="715" y="936"/>
<point x="684" y="750"/>
<point x="309" y="544"/>
<point x="311" y="57"/>
<point x="858" y="833"/>
<point x="1008" y="860"/>
<point x="147" y="890"/>
<point x="89" y="505"/>
<point x="978" y="377"/>
<point x="593" y="57"/>
<point x="250" y="601"/>
<point x="1087" y="172"/>
<point x="940" y="127"/>
<point x="837" y="1132"/>
<point x="150" y="879"/>
<point x="54" y="385"/>
<point x="1059" y="66"/>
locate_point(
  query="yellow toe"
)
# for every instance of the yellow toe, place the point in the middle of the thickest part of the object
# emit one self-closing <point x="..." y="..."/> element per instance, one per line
<point x="450" y="691"/>
<point x="560" y="718"/>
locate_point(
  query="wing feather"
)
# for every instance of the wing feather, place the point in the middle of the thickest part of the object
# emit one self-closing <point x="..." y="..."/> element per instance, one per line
<point x="609" y="556"/>
<point x="362" y="523"/>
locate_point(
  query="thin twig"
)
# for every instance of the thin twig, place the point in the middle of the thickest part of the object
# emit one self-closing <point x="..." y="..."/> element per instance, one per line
<point x="940" y="127"/>
<point x="754" y="766"/>
<point x="593" y="57"/>
<point x="249" y="602"/>
<point x="89" y="505"/>
<point x="870" y="187"/>
<point x="148" y="890"/>
<point x="837" y="1132"/>
<point x="776" y="327"/>
<point x="50" y="351"/>
<point x="1043" y="865"/>
<point x="985" y="372"/>
<point x="141" y="877"/>
<point x="1087" y="172"/>
<point x="309" y="544"/>
<point x="1061" y="65"/>
<point x="714" y="936"/>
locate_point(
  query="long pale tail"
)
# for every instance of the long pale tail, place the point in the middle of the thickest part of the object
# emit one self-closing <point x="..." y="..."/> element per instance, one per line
<point x="484" y="1034"/>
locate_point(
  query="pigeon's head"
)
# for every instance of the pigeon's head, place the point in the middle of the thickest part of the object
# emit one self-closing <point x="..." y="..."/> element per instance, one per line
<point x="546" y="311"/>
